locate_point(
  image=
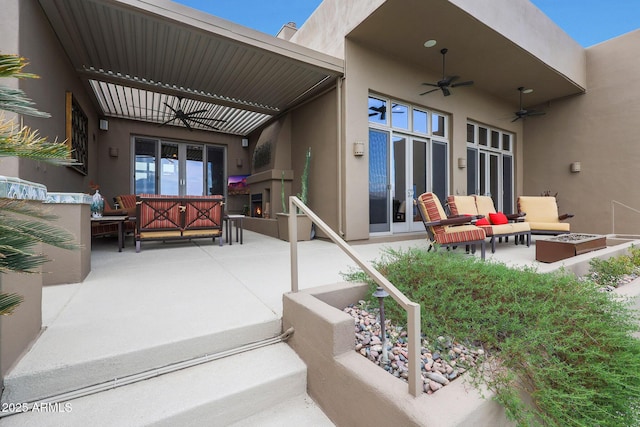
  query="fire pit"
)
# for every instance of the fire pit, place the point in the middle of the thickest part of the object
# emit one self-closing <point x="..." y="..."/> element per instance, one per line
<point x="568" y="245"/>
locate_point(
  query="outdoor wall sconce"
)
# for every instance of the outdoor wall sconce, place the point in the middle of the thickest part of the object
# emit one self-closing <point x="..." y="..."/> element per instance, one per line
<point x="114" y="152"/>
<point x="104" y="124"/>
<point x="358" y="148"/>
<point x="575" y="167"/>
<point x="239" y="163"/>
<point x="462" y="163"/>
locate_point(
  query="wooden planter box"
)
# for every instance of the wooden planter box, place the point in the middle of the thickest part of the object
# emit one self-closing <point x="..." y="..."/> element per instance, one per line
<point x="567" y="246"/>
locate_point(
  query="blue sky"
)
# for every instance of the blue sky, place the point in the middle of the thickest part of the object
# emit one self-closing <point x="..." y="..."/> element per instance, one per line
<point x="588" y="21"/>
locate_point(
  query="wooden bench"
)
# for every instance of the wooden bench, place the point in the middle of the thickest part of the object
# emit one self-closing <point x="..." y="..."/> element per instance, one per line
<point x="165" y="218"/>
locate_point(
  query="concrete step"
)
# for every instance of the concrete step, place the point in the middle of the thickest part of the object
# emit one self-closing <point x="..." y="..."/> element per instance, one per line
<point x="256" y="387"/>
<point x="49" y="368"/>
<point x="298" y="411"/>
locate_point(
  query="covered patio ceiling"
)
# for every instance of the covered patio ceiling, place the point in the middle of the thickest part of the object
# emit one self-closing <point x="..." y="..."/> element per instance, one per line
<point x="145" y="60"/>
<point x="478" y="52"/>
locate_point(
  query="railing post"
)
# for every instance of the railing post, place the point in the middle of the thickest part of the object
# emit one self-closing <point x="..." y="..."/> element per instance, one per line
<point x="293" y="244"/>
<point x="415" y="345"/>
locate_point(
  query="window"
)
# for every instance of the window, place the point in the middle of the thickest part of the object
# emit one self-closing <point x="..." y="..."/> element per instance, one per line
<point x="408" y="155"/>
<point x="178" y="168"/>
<point x="490" y="165"/>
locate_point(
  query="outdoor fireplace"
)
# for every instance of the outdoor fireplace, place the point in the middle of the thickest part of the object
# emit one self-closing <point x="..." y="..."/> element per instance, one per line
<point x="256" y="205"/>
<point x="567" y="246"/>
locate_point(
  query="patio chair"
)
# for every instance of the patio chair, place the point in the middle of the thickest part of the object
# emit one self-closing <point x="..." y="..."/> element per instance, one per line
<point x="448" y="231"/>
<point x="495" y="225"/>
<point x="542" y="215"/>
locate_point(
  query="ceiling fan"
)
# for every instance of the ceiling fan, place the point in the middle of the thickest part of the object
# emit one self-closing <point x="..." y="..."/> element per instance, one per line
<point x="522" y="113"/>
<point x="192" y="116"/>
<point x="446" y="82"/>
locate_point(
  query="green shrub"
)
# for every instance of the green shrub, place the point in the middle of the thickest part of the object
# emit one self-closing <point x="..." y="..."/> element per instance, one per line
<point x="563" y="341"/>
<point x="609" y="272"/>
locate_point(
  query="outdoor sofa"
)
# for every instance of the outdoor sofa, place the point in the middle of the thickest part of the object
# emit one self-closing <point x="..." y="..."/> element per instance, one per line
<point x="161" y="217"/>
<point x="495" y="224"/>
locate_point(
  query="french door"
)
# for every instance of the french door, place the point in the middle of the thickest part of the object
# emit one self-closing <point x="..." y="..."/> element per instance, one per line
<point x="401" y="168"/>
<point x="177" y="168"/>
<point x="491" y="174"/>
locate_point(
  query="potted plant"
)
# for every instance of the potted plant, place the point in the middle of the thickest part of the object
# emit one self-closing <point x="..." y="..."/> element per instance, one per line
<point x="304" y="223"/>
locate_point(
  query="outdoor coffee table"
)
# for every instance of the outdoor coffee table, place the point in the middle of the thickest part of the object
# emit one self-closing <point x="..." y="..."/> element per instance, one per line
<point x="119" y="219"/>
<point x="568" y="245"/>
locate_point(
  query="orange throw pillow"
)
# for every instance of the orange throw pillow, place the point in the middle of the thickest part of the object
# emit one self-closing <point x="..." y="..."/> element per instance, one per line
<point x="498" y="218"/>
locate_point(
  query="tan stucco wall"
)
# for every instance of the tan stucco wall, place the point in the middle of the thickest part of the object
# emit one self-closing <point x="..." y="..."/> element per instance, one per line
<point x="40" y="46"/>
<point x="314" y="125"/>
<point x="114" y="173"/>
<point x="20" y="329"/>
<point x="597" y="129"/>
<point x="64" y="265"/>
<point x="527" y="26"/>
<point x="372" y="72"/>
<point x="326" y="28"/>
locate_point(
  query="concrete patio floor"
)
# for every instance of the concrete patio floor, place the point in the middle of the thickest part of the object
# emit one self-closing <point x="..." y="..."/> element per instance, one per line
<point x="133" y="308"/>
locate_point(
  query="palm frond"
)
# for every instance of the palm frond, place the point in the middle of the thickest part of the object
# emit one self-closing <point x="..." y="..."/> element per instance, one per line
<point x="23" y="208"/>
<point x="26" y="143"/>
<point x="12" y="65"/>
<point x="16" y="101"/>
<point x="13" y="229"/>
<point x="8" y="303"/>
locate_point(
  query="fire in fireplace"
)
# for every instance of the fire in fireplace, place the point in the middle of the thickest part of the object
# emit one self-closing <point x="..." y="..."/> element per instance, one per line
<point x="256" y="205"/>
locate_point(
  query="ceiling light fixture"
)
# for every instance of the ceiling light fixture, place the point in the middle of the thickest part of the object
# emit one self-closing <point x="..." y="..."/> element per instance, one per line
<point x="430" y="43"/>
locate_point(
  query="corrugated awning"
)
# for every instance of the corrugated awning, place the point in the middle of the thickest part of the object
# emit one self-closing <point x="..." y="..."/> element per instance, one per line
<point x="147" y="60"/>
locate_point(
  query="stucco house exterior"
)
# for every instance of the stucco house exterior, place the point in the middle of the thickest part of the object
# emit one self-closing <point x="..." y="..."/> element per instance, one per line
<point x="349" y="85"/>
<point x="126" y="63"/>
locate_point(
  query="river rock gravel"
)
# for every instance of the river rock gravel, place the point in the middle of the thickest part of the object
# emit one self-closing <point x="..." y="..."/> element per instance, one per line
<point x="442" y="361"/>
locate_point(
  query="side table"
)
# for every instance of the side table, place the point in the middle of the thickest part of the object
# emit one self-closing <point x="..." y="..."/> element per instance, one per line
<point x="119" y="219"/>
<point x="231" y="220"/>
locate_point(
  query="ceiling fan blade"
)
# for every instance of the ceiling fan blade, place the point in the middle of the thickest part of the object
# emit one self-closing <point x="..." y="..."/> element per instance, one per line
<point x="429" y="91"/>
<point x="208" y="118"/>
<point x="536" y="113"/>
<point x="168" y="121"/>
<point x="186" y="123"/>
<point x="197" y="112"/>
<point x="449" y="80"/>
<point x="203" y="123"/>
<point x="445" y="91"/>
<point x="467" y="83"/>
<point x="171" y="108"/>
<point x="517" y="118"/>
<point x="431" y="84"/>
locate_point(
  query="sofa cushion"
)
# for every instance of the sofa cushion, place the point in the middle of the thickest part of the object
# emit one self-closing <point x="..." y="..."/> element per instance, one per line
<point x="498" y="218"/>
<point x="462" y="205"/>
<point x="484" y="205"/>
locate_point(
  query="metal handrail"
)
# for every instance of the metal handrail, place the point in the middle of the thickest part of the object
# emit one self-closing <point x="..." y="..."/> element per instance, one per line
<point x="412" y="308"/>
<point x="613" y="213"/>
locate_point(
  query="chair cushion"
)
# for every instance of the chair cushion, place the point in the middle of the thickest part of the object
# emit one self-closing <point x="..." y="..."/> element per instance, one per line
<point x="550" y="226"/>
<point x="462" y="205"/>
<point x="126" y="201"/>
<point x="539" y="208"/>
<point x="498" y="218"/>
